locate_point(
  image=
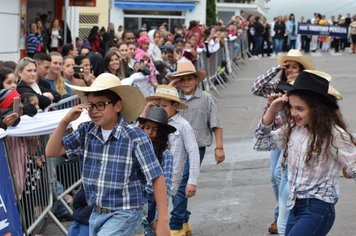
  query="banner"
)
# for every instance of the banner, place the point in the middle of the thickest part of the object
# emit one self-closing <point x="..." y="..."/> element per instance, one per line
<point x="10" y="224"/>
<point x="323" y="30"/>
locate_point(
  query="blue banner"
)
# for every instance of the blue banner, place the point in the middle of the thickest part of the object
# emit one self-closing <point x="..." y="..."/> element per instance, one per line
<point x="10" y="224"/>
<point x="323" y="30"/>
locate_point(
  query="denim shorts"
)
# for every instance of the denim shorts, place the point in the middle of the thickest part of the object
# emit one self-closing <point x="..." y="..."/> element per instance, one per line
<point x="310" y="217"/>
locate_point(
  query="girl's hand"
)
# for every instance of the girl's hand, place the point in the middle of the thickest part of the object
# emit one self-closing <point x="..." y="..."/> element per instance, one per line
<point x="75" y="112"/>
<point x="10" y="119"/>
<point x="278" y="103"/>
<point x="273" y="96"/>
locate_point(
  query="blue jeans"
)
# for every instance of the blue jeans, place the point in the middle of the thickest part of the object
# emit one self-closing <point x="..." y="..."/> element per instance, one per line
<point x="283" y="212"/>
<point x="151" y="213"/>
<point x="78" y="229"/>
<point x="180" y="213"/>
<point x="310" y="217"/>
<point x="279" y="45"/>
<point x="258" y="46"/>
<point x="117" y="223"/>
<point x="275" y="171"/>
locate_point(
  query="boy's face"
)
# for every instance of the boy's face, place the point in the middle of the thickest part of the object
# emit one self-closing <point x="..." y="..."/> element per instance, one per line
<point x="169" y="106"/>
<point x="103" y="112"/>
<point x="188" y="84"/>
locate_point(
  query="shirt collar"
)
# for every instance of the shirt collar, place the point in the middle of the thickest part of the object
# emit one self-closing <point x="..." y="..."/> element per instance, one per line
<point x="197" y="93"/>
<point x="96" y="130"/>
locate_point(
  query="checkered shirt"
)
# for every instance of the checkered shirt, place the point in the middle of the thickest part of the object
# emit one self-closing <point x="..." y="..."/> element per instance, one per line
<point x="115" y="170"/>
<point x="264" y="85"/>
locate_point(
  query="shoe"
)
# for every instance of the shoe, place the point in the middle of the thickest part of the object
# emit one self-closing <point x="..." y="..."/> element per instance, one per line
<point x="273" y="228"/>
<point x="187" y="229"/>
<point x="178" y="232"/>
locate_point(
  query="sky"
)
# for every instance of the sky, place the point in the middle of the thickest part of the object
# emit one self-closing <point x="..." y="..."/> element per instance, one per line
<point x="306" y="8"/>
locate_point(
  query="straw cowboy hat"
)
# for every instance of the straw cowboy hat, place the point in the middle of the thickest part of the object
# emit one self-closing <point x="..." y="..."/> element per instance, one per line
<point x="158" y="115"/>
<point x="296" y="55"/>
<point x="133" y="101"/>
<point x="169" y="93"/>
<point x="187" y="68"/>
<point x="313" y="84"/>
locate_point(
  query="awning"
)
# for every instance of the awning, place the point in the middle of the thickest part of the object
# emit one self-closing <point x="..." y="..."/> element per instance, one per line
<point x="158" y="6"/>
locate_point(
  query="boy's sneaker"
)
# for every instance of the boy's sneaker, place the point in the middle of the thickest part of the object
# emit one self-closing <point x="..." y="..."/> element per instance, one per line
<point x="178" y="232"/>
<point x="187" y="229"/>
<point x="273" y="228"/>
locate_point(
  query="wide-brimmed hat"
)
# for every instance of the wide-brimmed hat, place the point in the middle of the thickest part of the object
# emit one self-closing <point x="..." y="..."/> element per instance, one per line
<point x="296" y="55"/>
<point x="133" y="101"/>
<point x="169" y="93"/>
<point x="187" y="68"/>
<point x="158" y="115"/>
<point x="310" y="83"/>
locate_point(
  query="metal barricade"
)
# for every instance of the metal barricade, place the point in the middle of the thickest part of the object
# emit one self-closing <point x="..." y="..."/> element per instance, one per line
<point x="207" y="84"/>
<point x="64" y="103"/>
<point x="244" y="44"/>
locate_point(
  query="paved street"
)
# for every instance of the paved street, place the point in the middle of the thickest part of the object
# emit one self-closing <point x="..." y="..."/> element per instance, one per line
<point x="235" y="198"/>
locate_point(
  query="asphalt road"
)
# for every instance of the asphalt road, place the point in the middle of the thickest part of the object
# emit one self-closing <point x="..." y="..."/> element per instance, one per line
<point x="235" y="198"/>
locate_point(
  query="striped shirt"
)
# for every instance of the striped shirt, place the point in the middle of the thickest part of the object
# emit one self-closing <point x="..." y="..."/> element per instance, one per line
<point x="32" y="41"/>
<point x="183" y="146"/>
<point x="319" y="179"/>
<point x="202" y="114"/>
<point x="264" y="85"/>
<point x="115" y="170"/>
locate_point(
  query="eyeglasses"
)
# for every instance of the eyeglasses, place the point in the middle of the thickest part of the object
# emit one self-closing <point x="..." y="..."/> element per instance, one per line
<point x="100" y="106"/>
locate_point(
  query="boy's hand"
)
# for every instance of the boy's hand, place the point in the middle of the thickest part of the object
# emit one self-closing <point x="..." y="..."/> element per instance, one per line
<point x="190" y="190"/>
<point x="174" y="82"/>
<point x="148" y="107"/>
<point x="75" y="112"/>
<point x="162" y="228"/>
<point x="219" y="155"/>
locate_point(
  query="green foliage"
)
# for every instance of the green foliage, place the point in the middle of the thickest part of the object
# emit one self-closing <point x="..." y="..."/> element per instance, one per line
<point x="210" y="12"/>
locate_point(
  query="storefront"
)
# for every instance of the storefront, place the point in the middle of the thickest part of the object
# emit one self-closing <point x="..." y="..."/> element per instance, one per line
<point x="134" y="15"/>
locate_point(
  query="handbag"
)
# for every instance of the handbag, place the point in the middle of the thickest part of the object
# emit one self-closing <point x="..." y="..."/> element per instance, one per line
<point x="38" y="48"/>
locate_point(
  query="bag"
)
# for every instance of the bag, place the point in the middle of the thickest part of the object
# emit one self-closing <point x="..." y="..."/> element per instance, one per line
<point x="38" y="48"/>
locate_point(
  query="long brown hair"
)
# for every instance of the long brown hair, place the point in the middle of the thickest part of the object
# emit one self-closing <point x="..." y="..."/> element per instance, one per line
<point x="323" y="120"/>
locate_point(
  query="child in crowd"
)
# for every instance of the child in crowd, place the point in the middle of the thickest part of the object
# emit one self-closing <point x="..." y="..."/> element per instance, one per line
<point x="316" y="146"/>
<point x="184" y="147"/>
<point x="156" y="126"/>
<point x="202" y="114"/>
<point x="118" y="159"/>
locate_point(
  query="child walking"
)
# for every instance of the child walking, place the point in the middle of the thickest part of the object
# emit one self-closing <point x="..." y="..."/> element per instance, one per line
<point x="118" y="158"/>
<point x="314" y="154"/>
<point x="156" y="126"/>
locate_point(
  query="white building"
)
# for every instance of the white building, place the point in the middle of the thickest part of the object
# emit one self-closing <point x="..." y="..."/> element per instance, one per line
<point x="228" y="8"/>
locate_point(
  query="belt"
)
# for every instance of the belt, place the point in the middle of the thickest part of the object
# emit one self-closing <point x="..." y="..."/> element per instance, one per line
<point x="101" y="210"/>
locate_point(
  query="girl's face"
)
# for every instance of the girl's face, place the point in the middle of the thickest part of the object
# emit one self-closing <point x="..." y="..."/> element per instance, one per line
<point x="10" y="82"/>
<point x="124" y="52"/>
<point x="144" y="46"/>
<point x="299" y="110"/>
<point x="86" y="65"/>
<point x="68" y="67"/>
<point x="168" y="106"/>
<point x="33" y="27"/>
<point x="157" y="38"/>
<point x="131" y="50"/>
<point x="291" y="70"/>
<point x="56" y="65"/>
<point x="150" y="129"/>
<point x="114" y="63"/>
<point x="29" y="74"/>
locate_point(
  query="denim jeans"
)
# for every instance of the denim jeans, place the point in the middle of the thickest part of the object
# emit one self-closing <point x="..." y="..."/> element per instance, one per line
<point x="180" y="213"/>
<point x="78" y="229"/>
<point x="310" y="217"/>
<point x="279" y="45"/>
<point x="151" y="213"/>
<point x="283" y="212"/>
<point x="117" y="223"/>
<point x="275" y="171"/>
<point x="258" y="46"/>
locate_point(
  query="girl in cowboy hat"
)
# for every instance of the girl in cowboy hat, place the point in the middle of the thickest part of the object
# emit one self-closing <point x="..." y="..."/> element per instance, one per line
<point x="156" y="126"/>
<point x="289" y="65"/>
<point x="316" y="147"/>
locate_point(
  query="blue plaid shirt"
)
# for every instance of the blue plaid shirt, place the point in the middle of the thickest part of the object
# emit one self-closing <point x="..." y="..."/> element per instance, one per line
<point x="114" y="171"/>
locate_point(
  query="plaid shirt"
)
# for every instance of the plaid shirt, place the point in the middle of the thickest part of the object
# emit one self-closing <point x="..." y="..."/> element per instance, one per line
<point x="318" y="180"/>
<point x="202" y="114"/>
<point x="263" y="85"/>
<point x="183" y="146"/>
<point x="167" y="168"/>
<point x="115" y="170"/>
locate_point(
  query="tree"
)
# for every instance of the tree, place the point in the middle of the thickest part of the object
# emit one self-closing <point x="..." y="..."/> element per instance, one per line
<point x="210" y="12"/>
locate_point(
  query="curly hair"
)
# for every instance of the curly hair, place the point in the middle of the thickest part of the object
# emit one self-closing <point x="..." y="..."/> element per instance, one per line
<point x="323" y="120"/>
